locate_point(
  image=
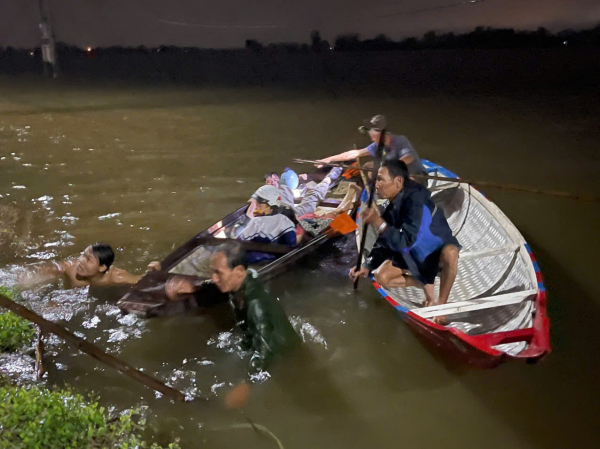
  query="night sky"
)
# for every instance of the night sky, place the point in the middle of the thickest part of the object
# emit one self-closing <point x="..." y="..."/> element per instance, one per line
<point x="228" y="23"/>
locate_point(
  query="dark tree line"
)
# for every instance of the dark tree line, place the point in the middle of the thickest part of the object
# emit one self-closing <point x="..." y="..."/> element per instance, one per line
<point x="481" y="37"/>
<point x="349" y="60"/>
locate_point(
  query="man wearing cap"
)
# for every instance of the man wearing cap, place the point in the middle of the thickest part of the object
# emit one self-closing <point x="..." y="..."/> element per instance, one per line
<point x="396" y="147"/>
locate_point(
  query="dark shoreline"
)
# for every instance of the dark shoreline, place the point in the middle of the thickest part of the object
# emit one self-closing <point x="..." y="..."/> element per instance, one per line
<point x="564" y="70"/>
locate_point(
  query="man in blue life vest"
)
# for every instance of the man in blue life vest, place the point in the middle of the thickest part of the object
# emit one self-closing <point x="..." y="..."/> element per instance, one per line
<point x="396" y="147"/>
<point x="413" y="237"/>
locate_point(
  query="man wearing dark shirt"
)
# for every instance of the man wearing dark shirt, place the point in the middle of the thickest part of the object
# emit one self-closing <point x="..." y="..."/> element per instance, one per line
<point x="396" y="147"/>
<point x="413" y="236"/>
<point x="263" y="322"/>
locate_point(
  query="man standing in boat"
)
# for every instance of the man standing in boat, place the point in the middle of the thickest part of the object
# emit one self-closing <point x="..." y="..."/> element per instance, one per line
<point x="396" y="147"/>
<point x="263" y="322"/>
<point x="414" y="239"/>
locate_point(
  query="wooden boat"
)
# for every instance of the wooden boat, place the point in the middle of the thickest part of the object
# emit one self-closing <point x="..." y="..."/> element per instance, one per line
<point x="497" y="307"/>
<point x="147" y="298"/>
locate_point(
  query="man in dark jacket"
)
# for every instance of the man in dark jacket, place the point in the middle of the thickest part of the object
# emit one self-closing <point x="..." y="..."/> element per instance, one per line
<point x="263" y="322"/>
<point x="413" y="236"/>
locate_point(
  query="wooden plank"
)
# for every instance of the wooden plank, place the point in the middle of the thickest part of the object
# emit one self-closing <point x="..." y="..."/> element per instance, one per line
<point x="487" y="252"/>
<point x="90" y="349"/>
<point x="474" y="304"/>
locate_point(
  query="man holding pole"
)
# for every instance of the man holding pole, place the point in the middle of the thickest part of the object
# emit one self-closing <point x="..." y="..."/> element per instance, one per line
<point x="395" y="147"/>
<point x="413" y="237"/>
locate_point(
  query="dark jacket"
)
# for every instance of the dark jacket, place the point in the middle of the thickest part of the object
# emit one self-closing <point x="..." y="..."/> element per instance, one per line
<point x="263" y="322"/>
<point x="416" y="229"/>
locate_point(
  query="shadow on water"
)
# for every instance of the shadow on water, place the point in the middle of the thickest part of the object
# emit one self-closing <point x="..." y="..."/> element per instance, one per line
<point x="534" y="400"/>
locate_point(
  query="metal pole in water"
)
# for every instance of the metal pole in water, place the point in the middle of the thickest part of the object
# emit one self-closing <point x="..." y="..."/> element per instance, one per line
<point x="47" y="42"/>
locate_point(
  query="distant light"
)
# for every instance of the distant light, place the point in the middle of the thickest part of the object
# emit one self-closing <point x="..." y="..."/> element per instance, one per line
<point x="331" y="48"/>
<point x="89" y="49"/>
<point x="565" y="42"/>
<point x="31" y="53"/>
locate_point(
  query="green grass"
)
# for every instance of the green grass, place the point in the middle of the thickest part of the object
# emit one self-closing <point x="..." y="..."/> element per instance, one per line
<point x="36" y="417"/>
<point x="15" y="332"/>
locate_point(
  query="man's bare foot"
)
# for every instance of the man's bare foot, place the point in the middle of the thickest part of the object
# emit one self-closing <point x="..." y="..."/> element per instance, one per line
<point x="429" y="295"/>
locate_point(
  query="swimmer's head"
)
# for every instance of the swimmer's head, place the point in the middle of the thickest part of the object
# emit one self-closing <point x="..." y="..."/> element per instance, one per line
<point x="96" y="259"/>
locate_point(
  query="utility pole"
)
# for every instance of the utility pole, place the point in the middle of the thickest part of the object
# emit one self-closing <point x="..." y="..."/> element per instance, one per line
<point x="48" y="46"/>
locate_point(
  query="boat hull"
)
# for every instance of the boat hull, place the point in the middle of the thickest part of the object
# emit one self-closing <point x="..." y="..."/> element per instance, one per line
<point x="480" y="351"/>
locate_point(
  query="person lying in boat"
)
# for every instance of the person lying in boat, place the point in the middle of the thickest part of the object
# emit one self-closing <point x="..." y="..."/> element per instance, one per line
<point x="94" y="267"/>
<point x="271" y="224"/>
<point x="265" y="327"/>
<point x="278" y="219"/>
<point x="396" y="147"/>
<point x="312" y="195"/>
<point x="413" y="237"/>
<point x="272" y="179"/>
<point x="303" y="215"/>
<point x="308" y="222"/>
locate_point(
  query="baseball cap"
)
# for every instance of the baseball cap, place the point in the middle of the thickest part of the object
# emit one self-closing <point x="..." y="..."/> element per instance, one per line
<point x="268" y="195"/>
<point x="377" y="123"/>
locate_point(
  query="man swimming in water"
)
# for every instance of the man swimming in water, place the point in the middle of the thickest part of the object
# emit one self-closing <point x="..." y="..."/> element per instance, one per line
<point x="93" y="267"/>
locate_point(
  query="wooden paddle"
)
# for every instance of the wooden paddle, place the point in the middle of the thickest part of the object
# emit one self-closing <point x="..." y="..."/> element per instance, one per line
<point x="363" y="237"/>
<point x="492" y="185"/>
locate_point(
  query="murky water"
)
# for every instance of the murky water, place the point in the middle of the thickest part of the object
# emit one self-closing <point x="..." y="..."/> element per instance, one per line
<point x="146" y="168"/>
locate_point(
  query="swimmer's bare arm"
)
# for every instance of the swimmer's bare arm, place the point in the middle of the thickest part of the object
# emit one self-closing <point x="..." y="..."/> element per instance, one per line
<point x="43" y="273"/>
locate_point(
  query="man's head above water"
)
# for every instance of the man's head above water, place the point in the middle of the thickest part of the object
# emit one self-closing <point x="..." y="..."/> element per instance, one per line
<point x="95" y="260"/>
<point x="228" y="266"/>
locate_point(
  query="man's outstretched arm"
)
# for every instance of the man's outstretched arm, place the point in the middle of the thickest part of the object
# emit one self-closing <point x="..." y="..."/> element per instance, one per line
<point x="44" y="272"/>
<point x="346" y="156"/>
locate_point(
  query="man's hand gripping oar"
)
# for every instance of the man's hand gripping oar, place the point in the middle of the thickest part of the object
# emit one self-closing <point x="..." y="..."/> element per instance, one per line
<point x="373" y="180"/>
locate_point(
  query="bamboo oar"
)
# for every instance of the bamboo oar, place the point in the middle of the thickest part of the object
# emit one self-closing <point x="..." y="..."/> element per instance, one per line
<point x="493" y="185"/>
<point x="363" y="237"/>
<point x="40" y="369"/>
<point x="90" y="349"/>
